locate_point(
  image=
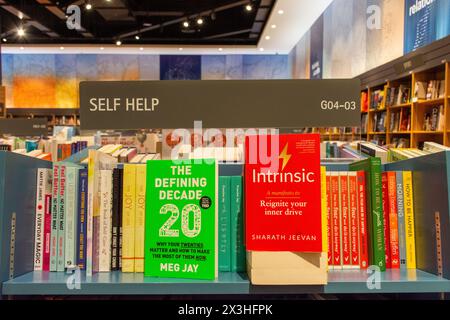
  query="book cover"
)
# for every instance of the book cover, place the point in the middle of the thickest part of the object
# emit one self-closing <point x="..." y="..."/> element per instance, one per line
<point x="224" y="224"/>
<point x="401" y="220"/>
<point x="329" y="221"/>
<point x="70" y="255"/>
<point x="385" y="201"/>
<point x="128" y="217"/>
<point x="323" y="188"/>
<point x="362" y="211"/>
<point x="115" y="219"/>
<point x="104" y="238"/>
<point x="354" y="220"/>
<point x="48" y="219"/>
<point x="61" y="217"/>
<point x="54" y="231"/>
<point x="393" y="220"/>
<point x="409" y="220"/>
<point x="336" y="219"/>
<point x="39" y="219"/>
<point x="237" y="238"/>
<point x="139" y="236"/>
<point x="372" y="168"/>
<point x="181" y="219"/>
<point x="81" y="221"/>
<point x="345" y="219"/>
<point x="282" y="193"/>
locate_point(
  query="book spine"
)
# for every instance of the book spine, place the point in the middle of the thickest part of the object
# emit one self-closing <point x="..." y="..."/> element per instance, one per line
<point x="329" y="221"/>
<point x="323" y="188"/>
<point x="401" y="220"/>
<point x="224" y="225"/>
<point x="139" y="237"/>
<point x="128" y="217"/>
<point x="379" y="258"/>
<point x="336" y="220"/>
<point x="39" y="220"/>
<point x="238" y="263"/>
<point x="105" y="221"/>
<point x="82" y="212"/>
<point x="47" y="219"/>
<point x="90" y="215"/>
<point x="345" y="221"/>
<point x="393" y="220"/>
<point x="70" y="225"/>
<point x="409" y="220"/>
<point x="115" y="221"/>
<point x="61" y="218"/>
<point x="354" y="220"/>
<point x="362" y="212"/>
<point x="119" y="249"/>
<point x="385" y="201"/>
<point x="54" y="224"/>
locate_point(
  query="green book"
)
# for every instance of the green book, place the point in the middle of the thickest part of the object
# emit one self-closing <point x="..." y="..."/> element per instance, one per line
<point x="224" y="224"/>
<point x="238" y="262"/>
<point x="181" y="219"/>
<point x="372" y="167"/>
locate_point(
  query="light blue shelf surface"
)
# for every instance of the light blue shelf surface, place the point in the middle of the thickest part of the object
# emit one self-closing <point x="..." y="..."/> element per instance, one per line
<point x="117" y="283"/>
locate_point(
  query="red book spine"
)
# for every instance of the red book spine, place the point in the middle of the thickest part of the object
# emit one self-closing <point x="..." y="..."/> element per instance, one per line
<point x="336" y="223"/>
<point x="387" y="241"/>
<point x="393" y="220"/>
<point x="354" y="223"/>
<point x="362" y="211"/>
<point x="47" y="231"/>
<point x="345" y="220"/>
<point x="329" y="221"/>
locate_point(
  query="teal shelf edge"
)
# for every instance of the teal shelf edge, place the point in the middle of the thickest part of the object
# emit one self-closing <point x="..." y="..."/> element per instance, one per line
<point x="117" y="283"/>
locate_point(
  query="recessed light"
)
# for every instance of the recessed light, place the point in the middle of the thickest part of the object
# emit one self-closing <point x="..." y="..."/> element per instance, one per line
<point x="199" y="21"/>
<point x="20" y="32"/>
<point x="280" y="11"/>
<point x="261" y="49"/>
<point x="118" y="43"/>
<point x="186" y="24"/>
<point x="5" y="40"/>
<point x="137" y="37"/>
<point x="61" y="48"/>
<point x="88" y="6"/>
<point x="248" y="7"/>
<point x="101" y="48"/>
<point x="273" y="26"/>
<point x="142" y="49"/>
<point x="180" y="49"/>
<point x="22" y="48"/>
<point x="220" y="49"/>
<point x="267" y="37"/>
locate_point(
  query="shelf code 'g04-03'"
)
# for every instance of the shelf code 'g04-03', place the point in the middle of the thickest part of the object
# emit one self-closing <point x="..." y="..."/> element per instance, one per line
<point x="336" y="105"/>
<point x="166" y="231"/>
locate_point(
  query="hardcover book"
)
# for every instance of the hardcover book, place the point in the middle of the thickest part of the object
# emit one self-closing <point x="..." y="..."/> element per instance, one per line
<point x="104" y="238"/>
<point x="345" y="219"/>
<point x="224" y="224"/>
<point x="181" y="219"/>
<point x="54" y="225"/>
<point x="39" y="238"/>
<point x="385" y="201"/>
<point x="393" y="220"/>
<point x="283" y="193"/>
<point x="128" y="217"/>
<point x="237" y="226"/>
<point x="409" y="220"/>
<point x="354" y="220"/>
<point x="139" y="236"/>
<point x="70" y="256"/>
<point x="82" y="215"/>
<point x="336" y="220"/>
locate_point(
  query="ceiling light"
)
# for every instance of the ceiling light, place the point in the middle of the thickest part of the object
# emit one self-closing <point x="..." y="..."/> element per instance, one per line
<point x="118" y="43"/>
<point x="142" y="49"/>
<point x="101" y="48"/>
<point x="88" y="6"/>
<point x="180" y="49"/>
<point x="22" y="48"/>
<point x="248" y="7"/>
<point x="137" y="37"/>
<point x="220" y="49"/>
<point x="61" y="48"/>
<point x="267" y="37"/>
<point x="199" y="21"/>
<point x="280" y="11"/>
<point x="261" y="49"/>
<point x="20" y="32"/>
<point x="186" y="24"/>
<point x="5" y="40"/>
<point x="274" y="26"/>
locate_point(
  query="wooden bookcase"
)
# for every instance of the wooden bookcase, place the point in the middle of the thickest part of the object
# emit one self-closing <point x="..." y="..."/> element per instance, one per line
<point x="417" y="108"/>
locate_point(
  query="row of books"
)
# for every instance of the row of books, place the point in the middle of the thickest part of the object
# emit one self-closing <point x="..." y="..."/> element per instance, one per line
<point x="94" y="218"/>
<point x="379" y="122"/>
<point x="429" y="90"/>
<point x="377" y="101"/>
<point x="434" y="120"/>
<point x="400" y="121"/>
<point x="397" y="95"/>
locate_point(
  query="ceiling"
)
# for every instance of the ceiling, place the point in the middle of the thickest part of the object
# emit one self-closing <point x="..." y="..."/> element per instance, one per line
<point x="154" y="22"/>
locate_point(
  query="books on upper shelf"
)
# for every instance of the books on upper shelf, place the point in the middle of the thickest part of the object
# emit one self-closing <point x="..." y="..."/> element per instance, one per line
<point x="379" y="122"/>
<point x="397" y="95"/>
<point x="364" y="101"/>
<point x="364" y="118"/>
<point x="429" y="90"/>
<point x="433" y="147"/>
<point x="434" y="119"/>
<point x="373" y="150"/>
<point x="399" y="154"/>
<point x="378" y="99"/>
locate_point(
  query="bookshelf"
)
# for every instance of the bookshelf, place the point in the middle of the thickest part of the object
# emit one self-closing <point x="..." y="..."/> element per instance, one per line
<point x="418" y="109"/>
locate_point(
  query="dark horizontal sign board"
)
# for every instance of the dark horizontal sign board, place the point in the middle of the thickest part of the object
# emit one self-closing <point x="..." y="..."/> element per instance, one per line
<point x="219" y="104"/>
<point x="24" y="127"/>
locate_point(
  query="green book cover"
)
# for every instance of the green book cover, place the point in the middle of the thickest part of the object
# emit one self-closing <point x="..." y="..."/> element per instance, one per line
<point x="238" y="263"/>
<point x="372" y="167"/>
<point x="224" y="225"/>
<point x="181" y="219"/>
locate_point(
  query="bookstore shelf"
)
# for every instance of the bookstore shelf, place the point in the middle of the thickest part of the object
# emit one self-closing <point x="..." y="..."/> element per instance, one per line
<point x="117" y="283"/>
<point x="425" y="103"/>
<point x="405" y="105"/>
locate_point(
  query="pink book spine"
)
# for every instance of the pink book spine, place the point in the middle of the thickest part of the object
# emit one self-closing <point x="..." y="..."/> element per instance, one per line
<point x="47" y="231"/>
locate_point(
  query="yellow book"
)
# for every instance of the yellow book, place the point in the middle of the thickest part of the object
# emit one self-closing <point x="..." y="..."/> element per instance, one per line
<point x="409" y="220"/>
<point x="139" y="236"/>
<point x="128" y="217"/>
<point x="323" y="181"/>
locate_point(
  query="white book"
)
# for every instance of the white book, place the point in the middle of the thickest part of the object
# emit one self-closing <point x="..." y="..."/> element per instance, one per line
<point x="42" y="179"/>
<point x="105" y="220"/>
<point x="70" y="215"/>
<point x="138" y="158"/>
<point x="148" y="157"/>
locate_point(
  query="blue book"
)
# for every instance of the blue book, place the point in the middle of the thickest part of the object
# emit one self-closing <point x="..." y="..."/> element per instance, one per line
<point x="224" y="225"/>
<point x="401" y="220"/>
<point x="82" y="214"/>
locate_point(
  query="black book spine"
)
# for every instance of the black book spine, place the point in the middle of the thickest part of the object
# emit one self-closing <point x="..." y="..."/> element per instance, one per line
<point x="115" y="222"/>
<point x="119" y="247"/>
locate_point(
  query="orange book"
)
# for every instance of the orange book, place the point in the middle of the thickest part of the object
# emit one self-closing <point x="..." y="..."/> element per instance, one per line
<point x="393" y="220"/>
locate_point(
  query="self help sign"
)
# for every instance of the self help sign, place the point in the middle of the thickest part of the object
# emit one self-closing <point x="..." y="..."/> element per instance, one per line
<point x="128" y="104"/>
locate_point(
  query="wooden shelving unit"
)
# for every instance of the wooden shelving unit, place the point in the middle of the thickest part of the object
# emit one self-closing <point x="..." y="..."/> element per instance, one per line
<point x="417" y="108"/>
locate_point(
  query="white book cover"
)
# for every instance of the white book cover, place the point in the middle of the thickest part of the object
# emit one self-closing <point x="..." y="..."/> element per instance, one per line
<point x="70" y="216"/>
<point x="105" y="220"/>
<point x="39" y="218"/>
